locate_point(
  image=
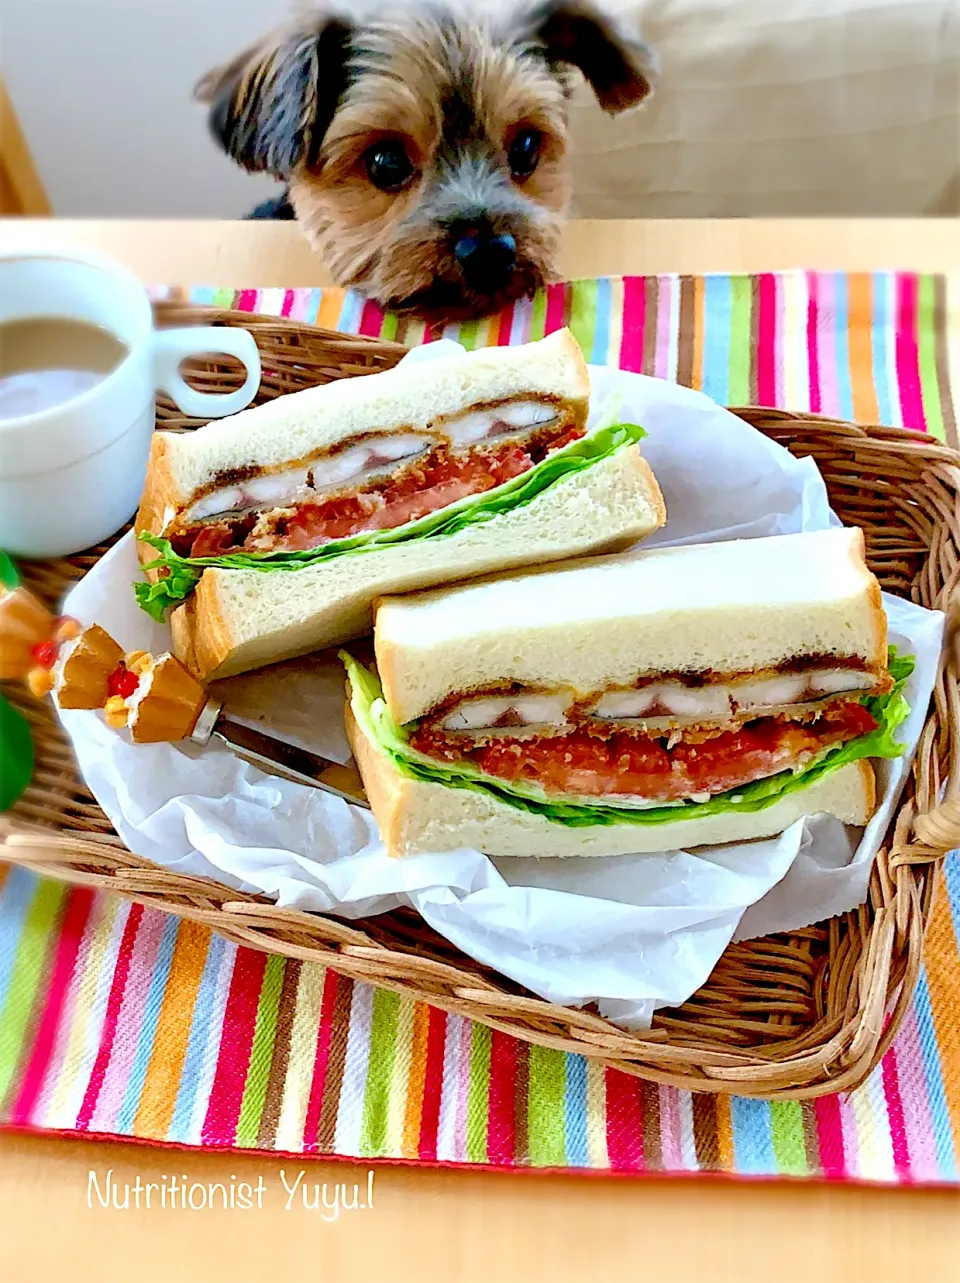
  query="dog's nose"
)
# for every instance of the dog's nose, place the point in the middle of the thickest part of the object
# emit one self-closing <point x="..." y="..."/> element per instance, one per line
<point x="486" y="260"/>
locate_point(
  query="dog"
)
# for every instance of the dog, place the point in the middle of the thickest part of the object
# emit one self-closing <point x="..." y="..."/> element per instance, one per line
<point x="424" y="147"/>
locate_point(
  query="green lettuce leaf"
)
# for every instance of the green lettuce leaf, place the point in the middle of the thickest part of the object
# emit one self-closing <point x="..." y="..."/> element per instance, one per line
<point x="8" y="572"/>
<point x="374" y="719"/>
<point x="183" y="573"/>
<point x="177" y="584"/>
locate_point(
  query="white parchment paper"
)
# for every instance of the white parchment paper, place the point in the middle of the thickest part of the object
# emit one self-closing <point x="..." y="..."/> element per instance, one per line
<point x="630" y="932"/>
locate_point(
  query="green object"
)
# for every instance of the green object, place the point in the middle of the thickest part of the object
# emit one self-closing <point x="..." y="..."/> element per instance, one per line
<point x="16" y="754"/>
<point x="373" y="717"/>
<point x="16" y="744"/>
<point x="26" y="976"/>
<point x="478" y="1093"/>
<point x="183" y="573"/>
<point x="264" y="1034"/>
<point x="376" y="1097"/>
<point x="546" y="1107"/>
<point x="8" y="572"/>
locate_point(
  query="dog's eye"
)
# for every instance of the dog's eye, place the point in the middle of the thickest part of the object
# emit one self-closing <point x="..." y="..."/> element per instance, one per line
<point x="389" y="166"/>
<point x="524" y="152"/>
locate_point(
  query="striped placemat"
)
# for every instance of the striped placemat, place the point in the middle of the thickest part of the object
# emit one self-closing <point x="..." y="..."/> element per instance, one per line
<point x="877" y="348"/>
<point x="118" y="1021"/>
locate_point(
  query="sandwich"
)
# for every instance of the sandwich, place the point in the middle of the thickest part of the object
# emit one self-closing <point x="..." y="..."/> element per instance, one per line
<point x="652" y="701"/>
<point x="277" y="528"/>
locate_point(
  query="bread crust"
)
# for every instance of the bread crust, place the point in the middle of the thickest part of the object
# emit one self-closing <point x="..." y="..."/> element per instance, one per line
<point x="202" y="638"/>
<point x="879" y="615"/>
<point x="574" y="354"/>
<point x="868" y="782"/>
<point x="874" y="597"/>
<point x="414" y="816"/>
<point x="159" y="496"/>
<point x="384" y="787"/>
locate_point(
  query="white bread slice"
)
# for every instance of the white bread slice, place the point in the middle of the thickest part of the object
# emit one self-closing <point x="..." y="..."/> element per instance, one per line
<point x="741" y="606"/>
<point x="242" y="619"/>
<point x="294" y="427"/>
<point x="415" y="816"/>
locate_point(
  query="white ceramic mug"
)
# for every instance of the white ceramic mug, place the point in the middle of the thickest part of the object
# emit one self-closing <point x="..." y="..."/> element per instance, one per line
<point x="72" y="475"/>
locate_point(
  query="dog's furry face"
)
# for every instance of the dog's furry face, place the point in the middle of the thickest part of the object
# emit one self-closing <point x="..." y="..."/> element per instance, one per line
<point x="425" y="149"/>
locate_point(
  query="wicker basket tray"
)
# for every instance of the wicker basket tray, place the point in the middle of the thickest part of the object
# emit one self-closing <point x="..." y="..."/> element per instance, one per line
<point x="794" y="1015"/>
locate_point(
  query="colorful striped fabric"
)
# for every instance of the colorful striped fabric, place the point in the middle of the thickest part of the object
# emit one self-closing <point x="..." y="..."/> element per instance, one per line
<point x="118" y="1021"/>
<point x="876" y="348"/>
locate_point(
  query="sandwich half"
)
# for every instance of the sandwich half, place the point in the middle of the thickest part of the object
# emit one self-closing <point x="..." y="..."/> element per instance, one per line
<point x="277" y="528"/>
<point x="652" y="701"/>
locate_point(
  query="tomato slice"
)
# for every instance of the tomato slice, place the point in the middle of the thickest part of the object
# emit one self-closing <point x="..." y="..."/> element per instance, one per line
<point x="442" y="479"/>
<point x="580" y="764"/>
<point x="212" y="541"/>
<point x="627" y="763"/>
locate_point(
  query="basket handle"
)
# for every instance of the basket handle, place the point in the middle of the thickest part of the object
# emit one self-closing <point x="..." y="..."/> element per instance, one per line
<point x="940" y="828"/>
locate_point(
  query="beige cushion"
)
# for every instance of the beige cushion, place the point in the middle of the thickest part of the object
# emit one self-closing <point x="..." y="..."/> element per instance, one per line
<point x="781" y="107"/>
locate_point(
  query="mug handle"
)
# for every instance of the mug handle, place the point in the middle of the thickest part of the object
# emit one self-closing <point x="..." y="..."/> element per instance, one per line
<point x="171" y="346"/>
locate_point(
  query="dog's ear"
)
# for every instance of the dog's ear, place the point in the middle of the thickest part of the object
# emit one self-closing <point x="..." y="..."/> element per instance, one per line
<point x="271" y="105"/>
<point x="619" y="68"/>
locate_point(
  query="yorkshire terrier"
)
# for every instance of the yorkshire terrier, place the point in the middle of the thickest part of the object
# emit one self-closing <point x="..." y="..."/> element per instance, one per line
<point x="424" y="147"/>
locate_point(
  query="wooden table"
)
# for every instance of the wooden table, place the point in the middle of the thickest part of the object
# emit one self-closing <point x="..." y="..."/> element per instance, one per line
<point x="473" y="1225"/>
<point x="275" y="254"/>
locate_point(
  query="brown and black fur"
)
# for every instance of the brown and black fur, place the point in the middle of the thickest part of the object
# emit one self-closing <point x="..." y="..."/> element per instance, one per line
<point x="455" y="86"/>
